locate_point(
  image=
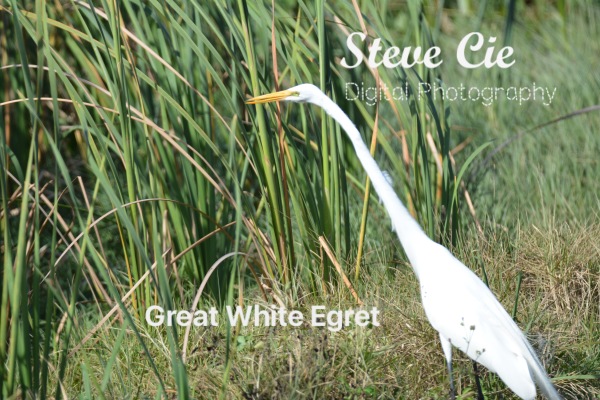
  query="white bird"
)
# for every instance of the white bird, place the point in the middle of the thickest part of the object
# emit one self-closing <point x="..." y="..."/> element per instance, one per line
<point x="457" y="303"/>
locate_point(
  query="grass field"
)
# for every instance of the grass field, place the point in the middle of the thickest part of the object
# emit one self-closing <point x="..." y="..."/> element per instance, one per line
<point x="134" y="174"/>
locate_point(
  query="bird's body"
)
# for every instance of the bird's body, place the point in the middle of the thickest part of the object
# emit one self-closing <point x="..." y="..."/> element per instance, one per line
<point x="458" y="313"/>
<point x="457" y="303"/>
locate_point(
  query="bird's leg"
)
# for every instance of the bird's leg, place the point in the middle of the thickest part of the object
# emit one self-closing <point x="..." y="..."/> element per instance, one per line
<point x="477" y="382"/>
<point x="447" y="348"/>
<point x="452" y="389"/>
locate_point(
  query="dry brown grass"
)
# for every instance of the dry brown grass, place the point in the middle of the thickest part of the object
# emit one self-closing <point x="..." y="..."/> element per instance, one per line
<point x="558" y="303"/>
<point x="402" y="359"/>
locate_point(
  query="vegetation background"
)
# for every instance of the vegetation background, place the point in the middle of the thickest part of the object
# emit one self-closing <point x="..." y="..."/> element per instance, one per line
<point x="134" y="174"/>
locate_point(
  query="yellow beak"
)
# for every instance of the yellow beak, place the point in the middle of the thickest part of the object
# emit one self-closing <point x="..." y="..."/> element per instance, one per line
<point x="268" y="98"/>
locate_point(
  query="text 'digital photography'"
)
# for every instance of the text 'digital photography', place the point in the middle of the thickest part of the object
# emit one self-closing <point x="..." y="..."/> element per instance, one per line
<point x="329" y="199"/>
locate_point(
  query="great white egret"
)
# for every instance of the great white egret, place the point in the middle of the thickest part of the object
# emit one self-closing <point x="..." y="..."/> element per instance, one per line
<point x="457" y="303"/>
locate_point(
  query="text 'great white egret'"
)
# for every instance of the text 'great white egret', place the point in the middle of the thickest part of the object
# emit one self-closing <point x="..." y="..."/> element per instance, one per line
<point x="457" y="303"/>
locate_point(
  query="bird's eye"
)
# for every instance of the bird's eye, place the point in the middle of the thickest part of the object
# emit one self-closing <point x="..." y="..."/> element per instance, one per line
<point x="296" y="94"/>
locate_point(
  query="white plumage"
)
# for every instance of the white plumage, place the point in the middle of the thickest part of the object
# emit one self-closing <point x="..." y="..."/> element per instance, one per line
<point x="457" y="303"/>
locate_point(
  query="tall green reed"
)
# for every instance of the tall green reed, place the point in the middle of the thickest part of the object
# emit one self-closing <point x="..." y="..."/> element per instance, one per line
<point x="137" y="123"/>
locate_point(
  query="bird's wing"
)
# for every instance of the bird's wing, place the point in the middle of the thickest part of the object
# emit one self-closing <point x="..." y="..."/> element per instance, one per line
<point x="462" y="308"/>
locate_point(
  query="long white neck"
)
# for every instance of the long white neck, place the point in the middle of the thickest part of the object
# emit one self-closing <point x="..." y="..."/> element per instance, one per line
<point x="409" y="232"/>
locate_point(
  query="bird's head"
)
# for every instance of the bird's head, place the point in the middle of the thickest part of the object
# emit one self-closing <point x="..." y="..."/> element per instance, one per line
<point x="304" y="93"/>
